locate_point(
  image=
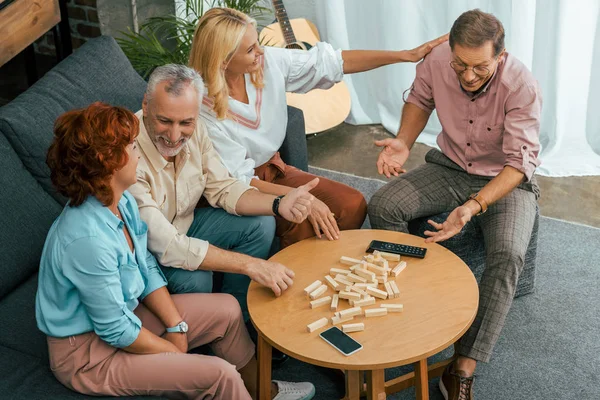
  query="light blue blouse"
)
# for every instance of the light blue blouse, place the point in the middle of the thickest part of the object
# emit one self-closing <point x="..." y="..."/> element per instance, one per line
<point x="89" y="279"/>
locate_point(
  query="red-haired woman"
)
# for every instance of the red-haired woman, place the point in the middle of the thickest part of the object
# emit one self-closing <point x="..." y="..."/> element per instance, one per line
<point x="113" y="329"/>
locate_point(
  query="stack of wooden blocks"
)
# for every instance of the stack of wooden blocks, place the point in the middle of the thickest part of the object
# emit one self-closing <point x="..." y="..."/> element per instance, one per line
<point x="359" y="285"/>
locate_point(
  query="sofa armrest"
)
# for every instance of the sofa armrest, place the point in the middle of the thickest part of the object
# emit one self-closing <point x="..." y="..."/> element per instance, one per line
<point x="293" y="151"/>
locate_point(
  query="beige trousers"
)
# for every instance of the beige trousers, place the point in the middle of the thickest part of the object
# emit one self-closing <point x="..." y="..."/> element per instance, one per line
<point x="87" y="364"/>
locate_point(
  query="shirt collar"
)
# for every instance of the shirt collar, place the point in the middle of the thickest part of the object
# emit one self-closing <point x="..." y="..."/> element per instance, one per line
<point x="111" y="219"/>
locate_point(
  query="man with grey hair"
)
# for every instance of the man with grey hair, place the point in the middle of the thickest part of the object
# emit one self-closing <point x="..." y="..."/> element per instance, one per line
<point x="178" y="166"/>
<point x="489" y="105"/>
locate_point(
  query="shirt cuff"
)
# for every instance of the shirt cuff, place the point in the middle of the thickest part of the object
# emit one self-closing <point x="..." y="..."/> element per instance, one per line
<point x="156" y="280"/>
<point x="522" y="164"/>
<point x="235" y="192"/>
<point x="412" y="99"/>
<point x="196" y="253"/>
<point x="131" y="332"/>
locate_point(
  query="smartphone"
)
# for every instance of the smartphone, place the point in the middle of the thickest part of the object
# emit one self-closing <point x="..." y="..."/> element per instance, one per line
<point x="341" y="341"/>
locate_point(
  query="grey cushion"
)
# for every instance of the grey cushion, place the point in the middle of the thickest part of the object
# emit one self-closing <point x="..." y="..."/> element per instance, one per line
<point x="469" y="246"/>
<point x="294" y="151"/>
<point x="98" y="71"/>
<point x="28" y="378"/>
<point x="27" y="214"/>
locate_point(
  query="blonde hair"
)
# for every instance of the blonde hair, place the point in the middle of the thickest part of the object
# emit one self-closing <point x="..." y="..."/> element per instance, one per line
<point x="217" y="38"/>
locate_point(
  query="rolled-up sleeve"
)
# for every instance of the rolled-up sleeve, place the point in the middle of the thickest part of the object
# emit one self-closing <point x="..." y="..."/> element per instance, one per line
<point x="421" y="94"/>
<point x="233" y="155"/>
<point x="154" y="278"/>
<point x="318" y="68"/>
<point x="521" y="139"/>
<point x="222" y="189"/>
<point x="93" y="270"/>
<point x="173" y="249"/>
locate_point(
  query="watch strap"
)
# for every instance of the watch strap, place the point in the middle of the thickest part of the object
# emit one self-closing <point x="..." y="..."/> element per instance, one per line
<point x="276" y="202"/>
<point x="481" y="201"/>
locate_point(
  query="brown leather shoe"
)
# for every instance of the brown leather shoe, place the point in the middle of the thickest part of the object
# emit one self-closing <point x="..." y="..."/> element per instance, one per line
<point x="455" y="386"/>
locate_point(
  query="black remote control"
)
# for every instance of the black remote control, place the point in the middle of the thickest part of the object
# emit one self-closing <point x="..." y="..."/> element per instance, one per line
<point x="396" y="248"/>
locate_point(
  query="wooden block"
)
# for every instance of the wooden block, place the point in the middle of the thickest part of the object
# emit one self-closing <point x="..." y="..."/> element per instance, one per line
<point x="381" y="262"/>
<point x="382" y="278"/>
<point x="399" y="268"/>
<point x="368" y="275"/>
<point x="334" y="302"/>
<point x="393" y="307"/>
<point x="389" y="290"/>
<point x="395" y="289"/>
<point x="377" y="293"/>
<point x="349" y="260"/>
<point x="311" y="288"/>
<point x="320" y="302"/>
<point x="351" y="312"/>
<point x="366" y="284"/>
<point x="364" y="302"/>
<point x="318" y="292"/>
<point x="376" y="268"/>
<point x="342" y="279"/>
<point x="349" y="295"/>
<point x="389" y="256"/>
<point x="369" y="258"/>
<point x="317" y="324"/>
<point x="376" y="312"/>
<point x="332" y="282"/>
<point x="340" y="271"/>
<point x="347" y="328"/>
<point x="358" y="290"/>
<point x="347" y="288"/>
<point x="338" y="320"/>
<point x="355" y="278"/>
<point x="355" y="267"/>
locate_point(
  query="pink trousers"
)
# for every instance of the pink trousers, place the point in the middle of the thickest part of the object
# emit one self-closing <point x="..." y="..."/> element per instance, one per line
<point x="86" y="364"/>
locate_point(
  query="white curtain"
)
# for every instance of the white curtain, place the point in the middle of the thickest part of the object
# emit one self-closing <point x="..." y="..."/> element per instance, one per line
<point x="558" y="40"/>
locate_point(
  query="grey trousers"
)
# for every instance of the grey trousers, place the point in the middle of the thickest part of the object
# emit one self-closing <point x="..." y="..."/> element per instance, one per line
<point x="440" y="186"/>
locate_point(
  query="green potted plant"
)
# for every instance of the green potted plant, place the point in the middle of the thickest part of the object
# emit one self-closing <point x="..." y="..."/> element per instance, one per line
<point x="168" y="39"/>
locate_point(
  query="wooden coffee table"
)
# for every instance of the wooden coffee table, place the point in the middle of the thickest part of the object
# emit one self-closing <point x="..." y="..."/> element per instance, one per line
<point x="440" y="298"/>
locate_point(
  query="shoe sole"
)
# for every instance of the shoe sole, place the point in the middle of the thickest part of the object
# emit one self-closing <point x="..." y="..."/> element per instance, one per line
<point x="443" y="389"/>
<point x="310" y="395"/>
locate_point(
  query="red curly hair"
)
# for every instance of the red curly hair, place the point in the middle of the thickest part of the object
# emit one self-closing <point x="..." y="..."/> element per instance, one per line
<point x="89" y="146"/>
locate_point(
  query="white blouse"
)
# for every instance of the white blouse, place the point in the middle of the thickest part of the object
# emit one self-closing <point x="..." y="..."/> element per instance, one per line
<point x="259" y="127"/>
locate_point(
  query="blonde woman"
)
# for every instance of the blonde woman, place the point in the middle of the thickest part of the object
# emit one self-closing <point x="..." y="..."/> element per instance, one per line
<point x="246" y="114"/>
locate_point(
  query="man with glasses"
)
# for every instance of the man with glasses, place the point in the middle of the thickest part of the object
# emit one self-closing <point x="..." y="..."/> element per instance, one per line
<point x="489" y="105"/>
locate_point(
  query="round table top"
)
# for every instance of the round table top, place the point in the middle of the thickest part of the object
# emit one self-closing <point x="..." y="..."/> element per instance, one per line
<point x="439" y="294"/>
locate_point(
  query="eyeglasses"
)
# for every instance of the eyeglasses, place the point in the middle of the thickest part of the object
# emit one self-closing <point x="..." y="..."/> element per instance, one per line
<point x="478" y="70"/>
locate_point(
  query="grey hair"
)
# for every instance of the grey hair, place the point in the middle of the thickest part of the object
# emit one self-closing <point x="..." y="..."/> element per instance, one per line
<point x="178" y="77"/>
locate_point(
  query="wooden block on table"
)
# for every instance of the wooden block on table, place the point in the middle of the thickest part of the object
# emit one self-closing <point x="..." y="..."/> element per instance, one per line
<point x="312" y="287"/>
<point x="393" y="307"/>
<point x="355" y="267"/>
<point x="342" y="279"/>
<point x="363" y="273"/>
<point x="369" y="258"/>
<point x="355" y="278"/>
<point x="332" y="282"/>
<point x="377" y="293"/>
<point x="340" y="271"/>
<point x="320" y="302"/>
<point x="318" y="292"/>
<point x="389" y="290"/>
<point x="349" y="260"/>
<point x="364" y="302"/>
<point x="349" y="295"/>
<point x="338" y="320"/>
<point x="317" y="324"/>
<point x="381" y="262"/>
<point x="367" y="284"/>
<point x="399" y="268"/>
<point x="334" y="302"/>
<point x="389" y="256"/>
<point x="351" y="312"/>
<point x="376" y="312"/>
<point x="395" y="289"/>
<point x="381" y="278"/>
<point x="358" y="290"/>
<point x="347" y="328"/>
<point x="376" y="268"/>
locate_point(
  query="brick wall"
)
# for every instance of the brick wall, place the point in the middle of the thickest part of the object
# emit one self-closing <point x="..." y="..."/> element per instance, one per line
<point x="83" y="18"/>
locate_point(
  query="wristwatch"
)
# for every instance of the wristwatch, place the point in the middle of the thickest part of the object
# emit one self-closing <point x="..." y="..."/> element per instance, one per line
<point x="481" y="201"/>
<point x="276" y="205"/>
<point x="181" y="327"/>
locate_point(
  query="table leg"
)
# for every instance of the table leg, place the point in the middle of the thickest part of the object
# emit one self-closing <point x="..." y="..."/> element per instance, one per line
<point x="264" y="368"/>
<point x="421" y="380"/>
<point x="376" y="385"/>
<point x="353" y="384"/>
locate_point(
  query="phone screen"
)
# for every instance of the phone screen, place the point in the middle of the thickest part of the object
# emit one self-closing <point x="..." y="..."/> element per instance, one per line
<point x="340" y="340"/>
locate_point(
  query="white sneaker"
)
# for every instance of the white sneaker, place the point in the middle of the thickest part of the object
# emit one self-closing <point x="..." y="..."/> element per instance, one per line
<point x="294" y="390"/>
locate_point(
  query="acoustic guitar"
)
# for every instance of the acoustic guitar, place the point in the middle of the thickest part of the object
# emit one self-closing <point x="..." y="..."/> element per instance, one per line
<point x="323" y="109"/>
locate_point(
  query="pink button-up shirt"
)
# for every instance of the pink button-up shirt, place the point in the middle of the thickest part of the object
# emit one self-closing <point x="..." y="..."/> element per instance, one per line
<point x="499" y="126"/>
